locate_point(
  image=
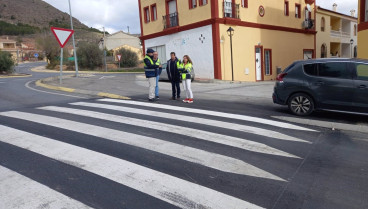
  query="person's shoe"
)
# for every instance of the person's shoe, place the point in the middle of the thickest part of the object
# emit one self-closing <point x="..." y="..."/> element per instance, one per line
<point x="186" y="100"/>
<point x="172" y="98"/>
<point x="190" y="101"/>
<point x="157" y="97"/>
<point x="178" y="98"/>
<point x="151" y="100"/>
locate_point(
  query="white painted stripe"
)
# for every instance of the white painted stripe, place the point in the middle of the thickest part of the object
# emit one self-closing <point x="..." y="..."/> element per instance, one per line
<point x="213" y="113"/>
<point x="212" y="160"/>
<point x="220" y="124"/>
<point x="191" y="132"/>
<point x="17" y="191"/>
<point x="170" y="189"/>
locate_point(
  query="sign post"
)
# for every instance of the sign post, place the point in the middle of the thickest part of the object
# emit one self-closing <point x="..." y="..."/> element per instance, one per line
<point x="119" y="58"/>
<point x="62" y="36"/>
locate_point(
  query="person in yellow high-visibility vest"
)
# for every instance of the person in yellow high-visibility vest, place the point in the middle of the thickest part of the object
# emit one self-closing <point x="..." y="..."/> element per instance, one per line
<point x="186" y="67"/>
<point x="151" y="69"/>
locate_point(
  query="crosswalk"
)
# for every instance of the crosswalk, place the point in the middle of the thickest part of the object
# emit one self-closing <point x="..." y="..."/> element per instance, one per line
<point x="172" y="156"/>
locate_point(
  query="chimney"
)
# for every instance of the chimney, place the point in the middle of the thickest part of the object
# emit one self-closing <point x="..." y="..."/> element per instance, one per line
<point x="334" y="7"/>
<point x="352" y="12"/>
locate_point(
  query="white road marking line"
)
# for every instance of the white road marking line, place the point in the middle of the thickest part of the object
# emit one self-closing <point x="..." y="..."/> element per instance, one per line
<point x="196" y="133"/>
<point x="17" y="191"/>
<point x="213" y="113"/>
<point x="168" y="188"/>
<point x="27" y="85"/>
<point x="212" y="160"/>
<point x="220" y="124"/>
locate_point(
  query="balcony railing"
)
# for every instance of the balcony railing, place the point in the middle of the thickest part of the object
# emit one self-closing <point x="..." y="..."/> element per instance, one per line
<point x="171" y="20"/>
<point x="340" y="34"/>
<point x="231" y="10"/>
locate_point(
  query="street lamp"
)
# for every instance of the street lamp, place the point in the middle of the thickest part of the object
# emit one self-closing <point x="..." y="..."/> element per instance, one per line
<point x="351" y="46"/>
<point x="230" y="32"/>
<point x="75" y="52"/>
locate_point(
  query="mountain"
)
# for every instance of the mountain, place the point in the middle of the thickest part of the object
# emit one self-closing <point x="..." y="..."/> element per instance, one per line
<point x="36" y="13"/>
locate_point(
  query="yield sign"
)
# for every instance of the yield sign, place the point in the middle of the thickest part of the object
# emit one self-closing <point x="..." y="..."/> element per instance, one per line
<point x="119" y="57"/>
<point x="62" y="35"/>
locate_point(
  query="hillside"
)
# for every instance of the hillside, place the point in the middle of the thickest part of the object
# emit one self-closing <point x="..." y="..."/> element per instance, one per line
<point x="35" y="13"/>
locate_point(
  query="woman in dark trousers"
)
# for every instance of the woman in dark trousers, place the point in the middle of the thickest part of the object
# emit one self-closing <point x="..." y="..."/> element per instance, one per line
<point x="174" y="75"/>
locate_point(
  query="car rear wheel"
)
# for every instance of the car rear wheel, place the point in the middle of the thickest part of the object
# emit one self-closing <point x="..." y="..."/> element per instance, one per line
<point x="301" y="104"/>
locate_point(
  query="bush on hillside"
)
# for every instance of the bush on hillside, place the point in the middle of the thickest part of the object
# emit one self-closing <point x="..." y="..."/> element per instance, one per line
<point x="128" y="58"/>
<point x="6" y="62"/>
<point x="89" y="56"/>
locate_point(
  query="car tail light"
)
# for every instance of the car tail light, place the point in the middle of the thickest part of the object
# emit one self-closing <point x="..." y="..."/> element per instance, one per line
<point x="280" y="77"/>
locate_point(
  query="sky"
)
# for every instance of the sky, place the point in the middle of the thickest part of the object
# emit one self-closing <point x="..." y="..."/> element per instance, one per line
<point x="117" y="15"/>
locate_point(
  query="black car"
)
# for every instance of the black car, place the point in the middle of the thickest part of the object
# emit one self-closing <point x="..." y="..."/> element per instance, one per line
<point x="339" y="85"/>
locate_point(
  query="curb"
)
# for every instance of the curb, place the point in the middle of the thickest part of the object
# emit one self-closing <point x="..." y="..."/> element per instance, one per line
<point x="16" y="76"/>
<point x="41" y="83"/>
<point x="38" y="70"/>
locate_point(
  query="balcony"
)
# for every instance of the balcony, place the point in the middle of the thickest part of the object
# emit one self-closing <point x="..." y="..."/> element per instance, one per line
<point x="171" y="20"/>
<point x="231" y="10"/>
<point x="340" y="34"/>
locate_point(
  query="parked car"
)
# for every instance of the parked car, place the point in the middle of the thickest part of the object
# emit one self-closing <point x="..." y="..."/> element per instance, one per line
<point x="164" y="77"/>
<point x="339" y="85"/>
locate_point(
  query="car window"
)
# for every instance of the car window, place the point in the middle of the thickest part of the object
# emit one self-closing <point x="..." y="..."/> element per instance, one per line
<point x="289" y="67"/>
<point x="310" y="69"/>
<point x="362" y="71"/>
<point x="333" y="69"/>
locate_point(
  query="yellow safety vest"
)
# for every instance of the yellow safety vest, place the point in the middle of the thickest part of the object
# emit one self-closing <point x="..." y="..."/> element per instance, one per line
<point x="149" y="58"/>
<point x="188" y="67"/>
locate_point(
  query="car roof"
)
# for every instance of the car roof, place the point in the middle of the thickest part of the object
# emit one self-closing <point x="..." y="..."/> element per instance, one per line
<point x="319" y="60"/>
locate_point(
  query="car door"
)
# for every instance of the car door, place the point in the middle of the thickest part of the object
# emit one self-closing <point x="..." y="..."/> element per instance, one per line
<point x="360" y="100"/>
<point x="333" y="86"/>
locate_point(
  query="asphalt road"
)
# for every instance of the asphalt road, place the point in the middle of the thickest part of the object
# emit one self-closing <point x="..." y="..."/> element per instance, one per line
<point x="61" y="150"/>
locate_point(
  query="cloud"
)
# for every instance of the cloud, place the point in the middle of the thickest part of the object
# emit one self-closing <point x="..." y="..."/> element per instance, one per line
<point x="111" y="14"/>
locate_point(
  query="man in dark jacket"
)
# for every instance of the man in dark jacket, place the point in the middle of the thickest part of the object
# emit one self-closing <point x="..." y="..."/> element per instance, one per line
<point x="151" y="73"/>
<point x="174" y="75"/>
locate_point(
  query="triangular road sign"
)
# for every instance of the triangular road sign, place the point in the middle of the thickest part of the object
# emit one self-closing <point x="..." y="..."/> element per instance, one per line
<point x="119" y="57"/>
<point x="62" y="35"/>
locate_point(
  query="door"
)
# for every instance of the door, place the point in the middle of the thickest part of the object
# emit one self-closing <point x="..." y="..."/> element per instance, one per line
<point x="360" y="100"/>
<point x="161" y="50"/>
<point x="259" y="76"/>
<point x="172" y="6"/>
<point x="332" y="86"/>
<point x="172" y="19"/>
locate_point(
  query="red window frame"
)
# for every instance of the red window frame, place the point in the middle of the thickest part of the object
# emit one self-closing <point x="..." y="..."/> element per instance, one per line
<point x="146" y="17"/>
<point x="191" y="6"/>
<point x="201" y="2"/>
<point x="269" y="50"/>
<point x="244" y="3"/>
<point x="286" y="8"/>
<point x="153" y="9"/>
<point x="298" y="6"/>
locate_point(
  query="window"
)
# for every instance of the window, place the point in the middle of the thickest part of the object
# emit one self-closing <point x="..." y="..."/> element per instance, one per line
<point x="323" y="51"/>
<point x="323" y="23"/>
<point x="268" y="61"/>
<point x="286" y="8"/>
<point x="366" y="11"/>
<point x="355" y="30"/>
<point x="146" y="15"/>
<point x="244" y="3"/>
<point x="362" y="71"/>
<point x="153" y="12"/>
<point x="308" y="14"/>
<point x="311" y="69"/>
<point x="202" y="2"/>
<point x="297" y="11"/>
<point x="192" y="4"/>
<point x="333" y="70"/>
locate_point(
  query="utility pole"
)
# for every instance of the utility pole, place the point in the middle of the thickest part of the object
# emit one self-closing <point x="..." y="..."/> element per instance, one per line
<point x="104" y="48"/>
<point x="75" y="51"/>
<point x="128" y="30"/>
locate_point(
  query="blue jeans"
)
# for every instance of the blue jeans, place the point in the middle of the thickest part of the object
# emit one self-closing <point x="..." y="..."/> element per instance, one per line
<point x="157" y="89"/>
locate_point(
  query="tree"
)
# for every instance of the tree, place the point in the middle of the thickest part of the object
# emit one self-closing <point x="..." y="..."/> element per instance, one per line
<point x="128" y="58"/>
<point x="6" y="61"/>
<point x="89" y="55"/>
<point x="49" y="45"/>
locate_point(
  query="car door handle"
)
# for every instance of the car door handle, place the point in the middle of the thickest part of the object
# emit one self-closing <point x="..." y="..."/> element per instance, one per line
<point x="362" y="87"/>
<point x="319" y="83"/>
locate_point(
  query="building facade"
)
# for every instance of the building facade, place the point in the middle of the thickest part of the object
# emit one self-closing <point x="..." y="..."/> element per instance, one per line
<point x="363" y="29"/>
<point x="268" y="34"/>
<point x="336" y="34"/>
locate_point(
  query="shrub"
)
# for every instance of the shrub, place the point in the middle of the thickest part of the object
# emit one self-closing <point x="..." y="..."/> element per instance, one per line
<point x="128" y="58"/>
<point x="6" y="61"/>
<point x="89" y="55"/>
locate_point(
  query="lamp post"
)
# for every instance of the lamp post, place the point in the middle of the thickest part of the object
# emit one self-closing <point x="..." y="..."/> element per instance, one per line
<point x="351" y="46"/>
<point x="75" y="52"/>
<point x="230" y="32"/>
